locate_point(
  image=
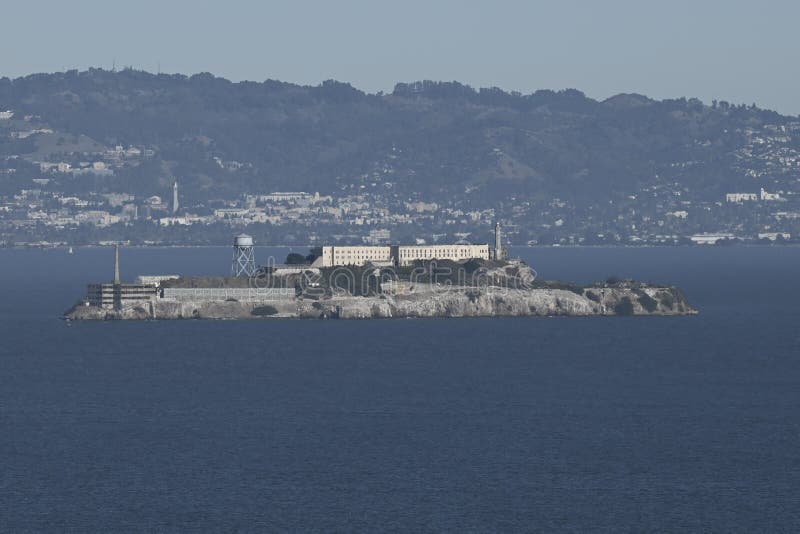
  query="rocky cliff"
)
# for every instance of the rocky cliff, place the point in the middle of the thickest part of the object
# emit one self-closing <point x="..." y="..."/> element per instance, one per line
<point x="436" y="302"/>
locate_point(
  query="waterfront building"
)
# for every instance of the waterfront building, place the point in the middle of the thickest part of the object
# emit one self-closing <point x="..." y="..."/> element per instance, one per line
<point x="710" y="239"/>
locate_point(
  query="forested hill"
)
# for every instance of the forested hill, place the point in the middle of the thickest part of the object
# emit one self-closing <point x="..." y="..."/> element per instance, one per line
<point x="425" y="138"/>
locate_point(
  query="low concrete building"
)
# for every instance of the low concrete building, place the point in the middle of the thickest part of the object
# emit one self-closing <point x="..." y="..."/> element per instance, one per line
<point x="773" y="236"/>
<point x="769" y="197"/>
<point x="243" y="294"/>
<point x="710" y="239"/>
<point x="155" y="279"/>
<point x="738" y="198"/>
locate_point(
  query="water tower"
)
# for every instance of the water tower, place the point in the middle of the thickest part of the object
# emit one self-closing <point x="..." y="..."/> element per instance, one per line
<point x="244" y="259"/>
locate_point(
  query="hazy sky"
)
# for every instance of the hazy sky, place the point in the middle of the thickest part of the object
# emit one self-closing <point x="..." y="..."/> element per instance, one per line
<point x="740" y="51"/>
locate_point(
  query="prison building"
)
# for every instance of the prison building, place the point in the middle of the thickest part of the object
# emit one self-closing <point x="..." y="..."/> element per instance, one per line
<point x="117" y="296"/>
<point x="401" y="255"/>
<point x="408" y="254"/>
<point x="354" y="255"/>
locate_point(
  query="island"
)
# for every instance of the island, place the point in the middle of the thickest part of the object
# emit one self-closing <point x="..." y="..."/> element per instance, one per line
<point x="313" y="288"/>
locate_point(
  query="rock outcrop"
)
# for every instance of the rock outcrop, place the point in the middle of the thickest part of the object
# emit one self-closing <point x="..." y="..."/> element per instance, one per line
<point x="435" y="302"/>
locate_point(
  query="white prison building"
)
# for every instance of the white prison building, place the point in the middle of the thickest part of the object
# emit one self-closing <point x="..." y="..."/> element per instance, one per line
<point x="401" y="255"/>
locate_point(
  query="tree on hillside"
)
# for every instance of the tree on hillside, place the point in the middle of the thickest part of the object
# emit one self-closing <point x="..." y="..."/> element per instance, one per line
<point x="295" y="259"/>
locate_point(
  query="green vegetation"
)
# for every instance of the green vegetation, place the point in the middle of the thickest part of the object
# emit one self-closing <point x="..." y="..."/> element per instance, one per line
<point x="362" y="279"/>
<point x="264" y="311"/>
<point x="557" y="284"/>
<point x="293" y="258"/>
<point x="313" y="254"/>
<point x="647" y="302"/>
<point x="208" y="281"/>
<point x="591" y="295"/>
<point x="605" y="160"/>
<point x="666" y="298"/>
<point x="294" y="137"/>
<point x="621" y="283"/>
<point x="356" y="280"/>
<point x="624" y="307"/>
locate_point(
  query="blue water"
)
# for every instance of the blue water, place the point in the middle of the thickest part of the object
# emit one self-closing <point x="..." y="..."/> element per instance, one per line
<point x="609" y="424"/>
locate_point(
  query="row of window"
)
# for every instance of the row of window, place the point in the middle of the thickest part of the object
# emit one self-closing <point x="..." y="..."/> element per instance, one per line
<point x="405" y="254"/>
<point x="417" y="253"/>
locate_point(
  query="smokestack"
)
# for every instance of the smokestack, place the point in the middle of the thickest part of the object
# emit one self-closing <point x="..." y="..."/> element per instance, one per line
<point x="116" y="265"/>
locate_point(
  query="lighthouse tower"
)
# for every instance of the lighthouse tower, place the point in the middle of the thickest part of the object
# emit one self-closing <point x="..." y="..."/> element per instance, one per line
<point x="499" y="253"/>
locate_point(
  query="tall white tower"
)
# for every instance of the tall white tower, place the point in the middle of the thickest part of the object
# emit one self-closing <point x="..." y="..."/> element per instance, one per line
<point x="175" y="204"/>
<point x="244" y="259"/>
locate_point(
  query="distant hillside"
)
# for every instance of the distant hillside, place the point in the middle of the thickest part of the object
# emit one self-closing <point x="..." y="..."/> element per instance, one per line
<point x="425" y="138"/>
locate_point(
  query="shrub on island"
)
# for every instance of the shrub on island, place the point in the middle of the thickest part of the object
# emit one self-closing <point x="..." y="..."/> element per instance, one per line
<point x="264" y="311"/>
<point x="624" y="307"/>
<point x="647" y="302"/>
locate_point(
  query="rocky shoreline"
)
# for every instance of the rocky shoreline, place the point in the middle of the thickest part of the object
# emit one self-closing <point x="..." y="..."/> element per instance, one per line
<point x="435" y="302"/>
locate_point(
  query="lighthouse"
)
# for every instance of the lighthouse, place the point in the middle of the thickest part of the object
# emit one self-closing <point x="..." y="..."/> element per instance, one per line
<point x="499" y="253"/>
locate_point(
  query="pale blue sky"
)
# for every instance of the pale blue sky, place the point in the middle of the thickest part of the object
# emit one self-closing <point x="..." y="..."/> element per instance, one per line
<point x="741" y="51"/>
